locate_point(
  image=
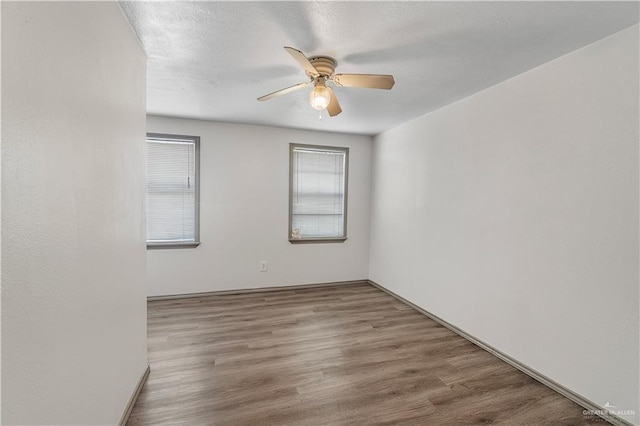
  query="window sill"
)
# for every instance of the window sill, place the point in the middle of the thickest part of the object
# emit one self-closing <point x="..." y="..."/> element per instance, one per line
<point x="317" y="240"/>
<point x="154" y="246"/>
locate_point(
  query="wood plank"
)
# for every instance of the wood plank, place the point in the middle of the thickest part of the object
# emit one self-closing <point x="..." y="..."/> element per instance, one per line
<point x="334" y="355"/>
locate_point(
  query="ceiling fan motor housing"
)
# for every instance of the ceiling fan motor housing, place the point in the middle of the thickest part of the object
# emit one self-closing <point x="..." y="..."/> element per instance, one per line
<point x="325" y="65"/>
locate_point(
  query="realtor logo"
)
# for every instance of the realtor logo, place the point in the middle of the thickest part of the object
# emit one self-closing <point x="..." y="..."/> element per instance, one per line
<point x="609" y="409"/>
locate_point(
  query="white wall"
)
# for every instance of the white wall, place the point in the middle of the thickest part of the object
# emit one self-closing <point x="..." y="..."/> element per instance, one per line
<point x="513" y="214"/>
<point x="73" y="253"/>
<point x="244" y="172"/>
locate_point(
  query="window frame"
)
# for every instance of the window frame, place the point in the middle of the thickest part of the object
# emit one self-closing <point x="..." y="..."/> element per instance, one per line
<point x="178" y="244"/>
<point x="333" y="239"/>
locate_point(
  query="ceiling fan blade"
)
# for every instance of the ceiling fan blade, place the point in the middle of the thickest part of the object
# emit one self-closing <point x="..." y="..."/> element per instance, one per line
<point x="371" y="81"/>
<point x="302" y="60"/>
<point x="334" y="107"/>
<point x="283" y="91"/>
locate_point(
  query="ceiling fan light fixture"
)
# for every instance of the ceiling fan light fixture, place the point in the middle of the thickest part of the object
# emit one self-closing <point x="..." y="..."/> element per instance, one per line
<point x="320" y="95"/>
<point x="321" y="69"/>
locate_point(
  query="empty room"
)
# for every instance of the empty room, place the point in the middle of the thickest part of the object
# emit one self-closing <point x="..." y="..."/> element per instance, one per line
<point x="320" y="213"/>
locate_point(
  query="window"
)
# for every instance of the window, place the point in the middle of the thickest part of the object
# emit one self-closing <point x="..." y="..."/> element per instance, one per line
<point x="318" y="193"/>
<point x="172" y="190"/>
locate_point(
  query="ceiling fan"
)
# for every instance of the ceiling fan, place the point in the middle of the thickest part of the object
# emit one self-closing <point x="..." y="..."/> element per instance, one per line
<point x="320" y="70"/>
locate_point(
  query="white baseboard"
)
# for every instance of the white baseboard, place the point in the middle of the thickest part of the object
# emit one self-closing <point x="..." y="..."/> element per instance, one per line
<point x="253" y="290"/>
<point x="134" y="397"/>
<point x="590" y="406"/>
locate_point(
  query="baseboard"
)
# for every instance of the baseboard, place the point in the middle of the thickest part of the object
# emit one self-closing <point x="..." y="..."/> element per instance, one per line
<point x="254" y="290"/>
<point x="134" y="397"/>
<point x="589" y="406"/>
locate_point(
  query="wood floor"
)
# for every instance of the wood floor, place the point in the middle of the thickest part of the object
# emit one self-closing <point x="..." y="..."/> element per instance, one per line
<point x="340" y="355"/>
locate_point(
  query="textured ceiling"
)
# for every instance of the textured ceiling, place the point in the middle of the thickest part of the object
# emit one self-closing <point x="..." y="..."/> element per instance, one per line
<point x="211" y="60"/>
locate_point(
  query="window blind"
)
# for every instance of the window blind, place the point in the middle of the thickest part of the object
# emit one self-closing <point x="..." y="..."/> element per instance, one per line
<point x="171" y="190"/>
<point x="318" y="181"/>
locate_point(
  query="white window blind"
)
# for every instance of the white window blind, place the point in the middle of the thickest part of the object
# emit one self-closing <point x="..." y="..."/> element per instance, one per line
<point x="172" y="190"/>
<point x="318" y="192"/>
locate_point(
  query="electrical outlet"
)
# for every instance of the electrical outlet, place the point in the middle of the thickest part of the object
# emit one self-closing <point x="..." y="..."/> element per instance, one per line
<point x="264" y="267"/>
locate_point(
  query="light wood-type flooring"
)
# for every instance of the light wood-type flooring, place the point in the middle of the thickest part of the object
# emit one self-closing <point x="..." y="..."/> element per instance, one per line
<point x="338" y="355"/>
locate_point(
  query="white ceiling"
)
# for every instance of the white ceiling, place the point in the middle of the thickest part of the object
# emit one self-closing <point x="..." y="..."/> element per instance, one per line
<point x="211" y="60"/>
